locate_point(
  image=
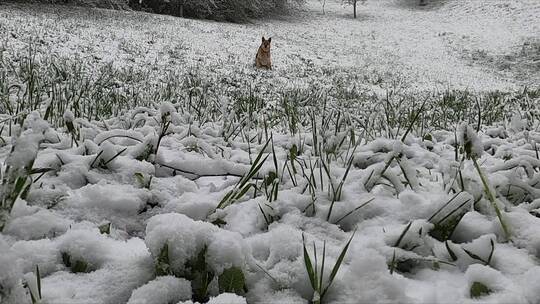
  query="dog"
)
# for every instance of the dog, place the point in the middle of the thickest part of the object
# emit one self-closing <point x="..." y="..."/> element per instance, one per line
<point x="262" y="59"/>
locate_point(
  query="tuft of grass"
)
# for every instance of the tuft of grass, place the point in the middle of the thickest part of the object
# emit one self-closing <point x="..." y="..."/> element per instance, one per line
<point x="402" y="235"/>
<point x="16" y="182"/>
<point x="491" y="198"/>
<point x="335" y="192"/>
<point x="478" y="290"/>
<point x="76" y="266"/>
<point x="447" y="223"/>
<point x="35" y="295"/>
<point x="354" y="210"/>
<point x="316" y="273"/>
<point x="244" y="184"/>
<point x="486" y="261"/>
<point x="200" y="276"/>
<point x="163" y="265"/>
<point x="468" y="146"/>
<point x="105" y="228"/>
<point x="232" y="280"/>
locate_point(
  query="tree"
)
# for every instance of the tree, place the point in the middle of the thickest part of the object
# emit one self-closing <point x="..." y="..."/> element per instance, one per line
<point x="354" y="3"/>
<point x="323" y="3"/>
<point x="221" y="10"/>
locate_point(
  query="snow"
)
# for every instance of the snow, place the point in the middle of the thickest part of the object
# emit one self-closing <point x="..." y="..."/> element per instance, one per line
<point x="109" y="198"/>
<point x="166" y="109"/>
<point x="115" y="267"/>
<point x="370" y="282"/>
<point x="39" y="252"/>
<point x="503" y="289"/>
<point x="10" y="275"/>
<point x="467" y="136"/>
<point x="226" y="249"/>
<point x="185" y="238"/>
<point x="69" y="117"/>
<point x="111" y="284"/>
<point x="113" y="178"/>
<point x="162" y="290"/>
<point x="25" y="150"/>
<point x="36" y="223"/>
<point x="460" y="43"/>
<point x="227" y="298"/>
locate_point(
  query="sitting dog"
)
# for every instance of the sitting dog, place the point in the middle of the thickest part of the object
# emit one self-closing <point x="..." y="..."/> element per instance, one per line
<point x="262" y="60"/>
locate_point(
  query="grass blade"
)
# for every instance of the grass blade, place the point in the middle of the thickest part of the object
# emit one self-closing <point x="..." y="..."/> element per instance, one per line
<point x="337" y="265"/>
<point x="309" y="265"/>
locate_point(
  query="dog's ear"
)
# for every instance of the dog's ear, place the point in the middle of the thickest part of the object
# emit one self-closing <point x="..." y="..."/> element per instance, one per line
<point x="270" y="39"/>
<point x="263" y="39"/>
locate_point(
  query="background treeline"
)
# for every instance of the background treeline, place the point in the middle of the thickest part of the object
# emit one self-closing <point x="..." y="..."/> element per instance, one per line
<point x="111" y="4"/>
<point x="221" y="10"/>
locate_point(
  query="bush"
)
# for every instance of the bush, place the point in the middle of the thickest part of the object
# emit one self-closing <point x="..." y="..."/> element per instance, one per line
<point x="111" y="4"/>
<point x="221" y="10"/>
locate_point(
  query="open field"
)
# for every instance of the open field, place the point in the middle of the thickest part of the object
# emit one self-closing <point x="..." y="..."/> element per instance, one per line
<point x="392" y="158"/>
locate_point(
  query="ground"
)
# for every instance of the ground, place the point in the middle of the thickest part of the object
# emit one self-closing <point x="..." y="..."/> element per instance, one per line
<point x="147" y="161"/>
<point x="484" y="45"/>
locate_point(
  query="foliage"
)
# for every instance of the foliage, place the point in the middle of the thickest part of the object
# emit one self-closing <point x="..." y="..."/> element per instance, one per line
<point x="222" y="10"/>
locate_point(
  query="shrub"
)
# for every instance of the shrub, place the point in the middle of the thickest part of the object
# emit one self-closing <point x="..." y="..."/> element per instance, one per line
<point x="221" y="10"/>
<point x="111" y="4"/>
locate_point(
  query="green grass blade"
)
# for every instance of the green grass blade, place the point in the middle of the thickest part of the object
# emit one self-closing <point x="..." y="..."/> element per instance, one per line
<point x="38" y="278"/>
<point x="309" y="265"/>
<point x="337" y="265"/>
<point x="402" y="235"/>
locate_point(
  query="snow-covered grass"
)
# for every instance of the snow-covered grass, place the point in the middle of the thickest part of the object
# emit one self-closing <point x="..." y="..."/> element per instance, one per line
<point x="147" y="161"/>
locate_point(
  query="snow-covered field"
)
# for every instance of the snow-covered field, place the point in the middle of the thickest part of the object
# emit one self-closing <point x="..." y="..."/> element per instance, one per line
<point x="389" y="159"/>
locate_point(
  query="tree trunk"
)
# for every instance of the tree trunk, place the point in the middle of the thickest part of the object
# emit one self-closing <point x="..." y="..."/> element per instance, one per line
<point x="354" y="5"/>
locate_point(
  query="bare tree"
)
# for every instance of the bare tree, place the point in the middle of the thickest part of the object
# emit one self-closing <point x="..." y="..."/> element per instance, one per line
<point x="323" y="3"/>
<point x="354" y="3"/>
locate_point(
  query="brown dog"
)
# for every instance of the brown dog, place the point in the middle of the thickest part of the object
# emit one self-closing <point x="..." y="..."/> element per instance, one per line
<point x="263" y="60"/>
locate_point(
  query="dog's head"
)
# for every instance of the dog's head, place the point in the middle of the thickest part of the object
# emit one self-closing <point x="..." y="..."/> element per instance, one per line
<point x="265" y="45"/>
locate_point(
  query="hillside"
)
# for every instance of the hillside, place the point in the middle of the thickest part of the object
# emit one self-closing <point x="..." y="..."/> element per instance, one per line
<point x="392" y="158"/>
